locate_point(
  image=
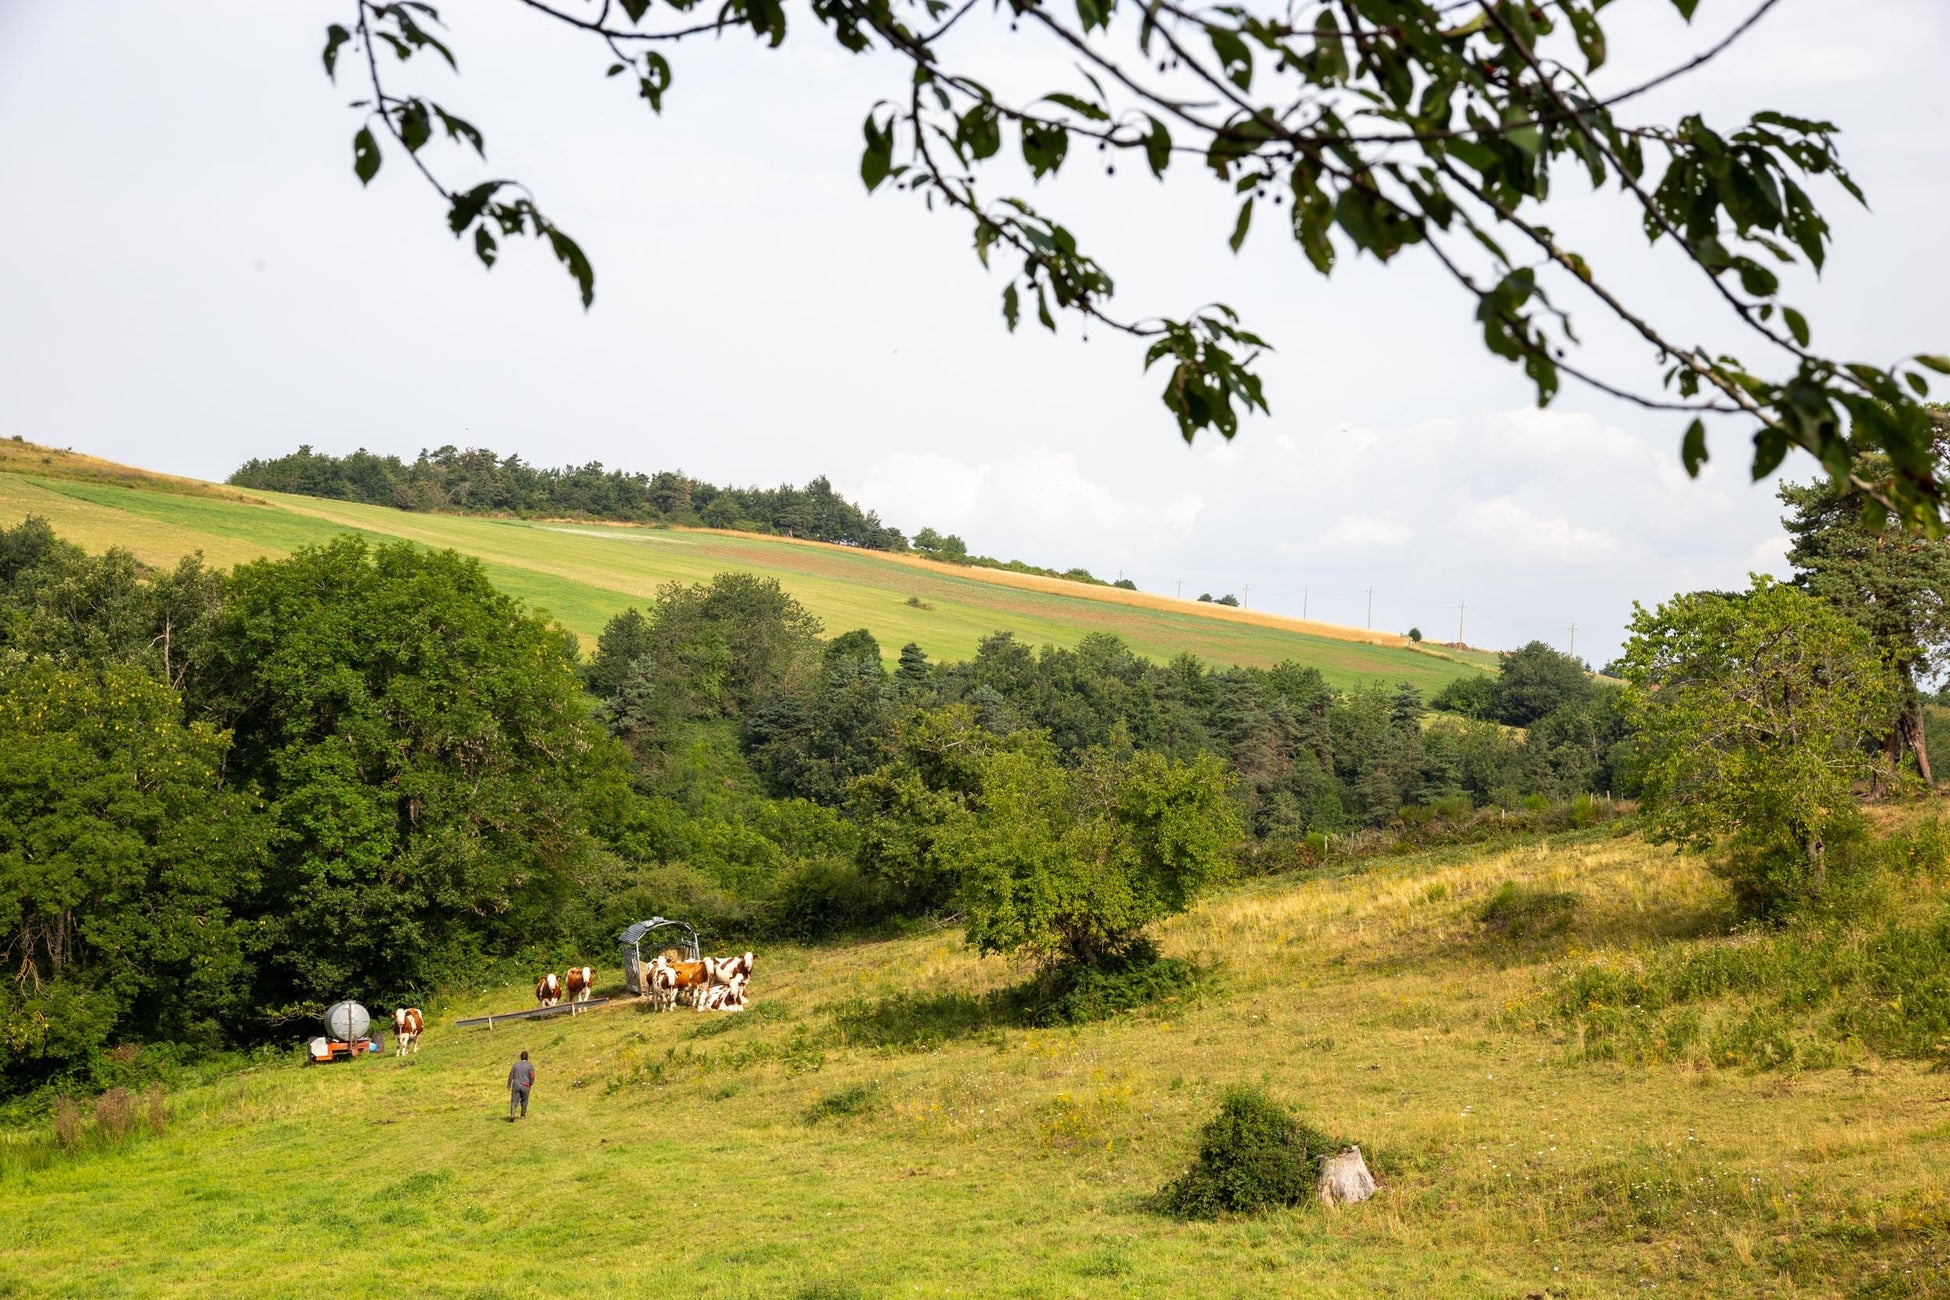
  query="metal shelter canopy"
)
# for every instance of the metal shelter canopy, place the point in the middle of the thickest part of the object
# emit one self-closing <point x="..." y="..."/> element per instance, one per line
<point x="630" y="940"/>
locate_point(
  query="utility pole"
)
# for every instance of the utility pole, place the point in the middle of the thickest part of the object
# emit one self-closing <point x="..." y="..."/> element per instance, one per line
<point x="1246" y="601"/>
<point x="1371" y="609"/>
<point x="1574" y="641"/>
<point x="1459" y="622"/>
<point x="1181" y="589"/>
<point x="1304" y="593"/>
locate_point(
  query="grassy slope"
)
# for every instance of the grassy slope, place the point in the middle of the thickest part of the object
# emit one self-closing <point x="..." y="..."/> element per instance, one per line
<point x="583" y="574"/>
<point x="1013" y="1163"/>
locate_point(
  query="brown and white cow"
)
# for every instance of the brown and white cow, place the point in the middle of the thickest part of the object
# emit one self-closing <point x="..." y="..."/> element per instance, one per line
<point x="580" y="983"/>
<point x="407" y="1026"/>
<point x="548" y="990"/>
<point x="670" y="982"/>
<point x="725" y="973"/>
<point x="724" y="997"/>
<point x="660" y="984"/>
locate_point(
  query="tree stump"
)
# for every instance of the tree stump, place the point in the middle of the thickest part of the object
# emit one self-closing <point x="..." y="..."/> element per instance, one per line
<point x="1344" y="1179"/>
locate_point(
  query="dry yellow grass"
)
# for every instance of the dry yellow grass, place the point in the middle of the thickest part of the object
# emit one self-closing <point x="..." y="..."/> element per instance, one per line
<point x="1015" y="1162"/>
<point x="18" y="456"/>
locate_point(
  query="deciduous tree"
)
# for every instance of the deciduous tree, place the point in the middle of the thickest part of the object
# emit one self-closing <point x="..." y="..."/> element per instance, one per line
<point x="1752" y="710"/>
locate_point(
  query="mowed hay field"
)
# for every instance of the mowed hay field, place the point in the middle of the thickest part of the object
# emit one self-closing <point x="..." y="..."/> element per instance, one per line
<point x="583" y="574"/>
<point x="852" y="1135"/>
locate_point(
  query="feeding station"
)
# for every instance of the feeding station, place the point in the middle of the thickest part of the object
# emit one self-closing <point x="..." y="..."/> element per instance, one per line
<point x="663" y="933"/>
<point x="348" y="1030"/>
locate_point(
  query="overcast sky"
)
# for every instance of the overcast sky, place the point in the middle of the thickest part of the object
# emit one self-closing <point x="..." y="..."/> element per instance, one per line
<point x="191" y="276"/>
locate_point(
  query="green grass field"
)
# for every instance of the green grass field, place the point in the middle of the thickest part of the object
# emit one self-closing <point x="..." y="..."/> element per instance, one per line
<point x="583" y="574"/>
<point x="801" y="1149"/>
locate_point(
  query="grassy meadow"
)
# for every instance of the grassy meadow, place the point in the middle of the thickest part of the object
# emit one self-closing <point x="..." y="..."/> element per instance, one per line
<point x="868" y="1130"/>
<point x="582" y="574"/>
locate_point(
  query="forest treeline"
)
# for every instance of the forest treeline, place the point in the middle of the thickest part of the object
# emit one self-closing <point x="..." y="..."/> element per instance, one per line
<point x="479" y="481"/>
<point x="226" y="798"/>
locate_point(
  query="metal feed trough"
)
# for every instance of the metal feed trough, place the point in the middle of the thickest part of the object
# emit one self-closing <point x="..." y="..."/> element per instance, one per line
<point x="682" y="935"/>
<point x="532" y="1013"/>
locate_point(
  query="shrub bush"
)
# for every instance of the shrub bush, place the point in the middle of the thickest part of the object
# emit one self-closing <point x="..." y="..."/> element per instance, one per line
<point x="1253" y="1156"/>
<point x="1520" y="913"/>
<point x="1129" y="980"/>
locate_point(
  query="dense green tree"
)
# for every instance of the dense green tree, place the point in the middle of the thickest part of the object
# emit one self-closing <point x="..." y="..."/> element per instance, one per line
<point x="1751" y="712"/>
<point x="913" y="671"/>
<point x="426" y="755"/>
<point x="120" y="855"/>
<point x="1073" y="863"/>
<point x="1471" y="696"/>
<point x="624" y="640"/>
<point x="714" y="650"/>
<point x="1895" y="582"/>
<point x="479" y="480"/>
<point x="59" y="601"/>
<point x="810" y="741"/>
<point x="1536" y="679"/>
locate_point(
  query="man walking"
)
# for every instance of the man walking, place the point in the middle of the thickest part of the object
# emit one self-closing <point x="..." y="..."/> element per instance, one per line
<point x="520" y="1079"/>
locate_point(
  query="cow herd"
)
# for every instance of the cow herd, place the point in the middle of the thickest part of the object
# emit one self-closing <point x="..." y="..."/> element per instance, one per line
<point x="711" y="984"/>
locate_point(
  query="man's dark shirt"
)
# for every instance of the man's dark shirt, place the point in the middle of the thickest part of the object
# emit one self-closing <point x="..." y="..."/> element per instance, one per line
<point x="522" y="1076"/>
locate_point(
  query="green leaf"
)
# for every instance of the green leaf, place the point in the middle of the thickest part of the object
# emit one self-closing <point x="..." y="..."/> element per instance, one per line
<point x="1917" y="383"/>
<point x="468" y="206"/>
<point x="980" y="130"/>
<point x="335" y="36"/>
<point x="1755" y="278"/>
<point x="1157" y="148"/>
<point x="484" y="245"/>
<point x="1591" y="37"/>
<point x="569" y="253"/>
<point x="636" y="9"/>
<point x="1042" y="309"/>
<point x="1770" y="449"/>
<point x="1240" y="226"/>
<point x="654" y="81"/>
<point x="1044" y="148"/>
<point x="1692" y="452"/>
<point x="365" y="156"/>
<point x="877" y="159"/>
<point x="1081" y="107"/>
<point x="415" y="125"/>
<point x="1937" y="363"/>
<point x="1011" y="307"/>
<point x="1235" y="59"/>
<point x="1521" y="130"/>
<point x="1797" y="325"/>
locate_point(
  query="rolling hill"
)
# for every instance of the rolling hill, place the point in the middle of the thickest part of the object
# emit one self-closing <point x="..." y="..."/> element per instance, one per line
<point x="583" y="573"/>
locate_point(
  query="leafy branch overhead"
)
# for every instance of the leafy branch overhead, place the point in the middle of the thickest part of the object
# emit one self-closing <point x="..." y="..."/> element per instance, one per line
<point x="1353" y="125"/>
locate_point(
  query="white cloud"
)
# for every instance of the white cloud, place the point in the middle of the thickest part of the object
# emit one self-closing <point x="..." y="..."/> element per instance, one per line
<point x="1368" y="531"/>
<point x="1035" y="503"/>
<point x="1518" y="534"/>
